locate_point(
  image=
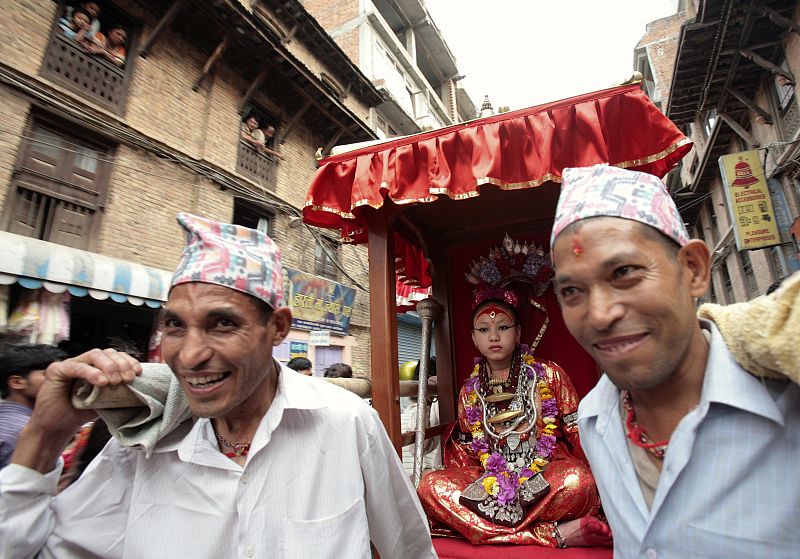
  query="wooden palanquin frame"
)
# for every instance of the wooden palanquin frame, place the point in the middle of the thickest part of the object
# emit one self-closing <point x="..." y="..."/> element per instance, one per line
<point x="472" y="183"/>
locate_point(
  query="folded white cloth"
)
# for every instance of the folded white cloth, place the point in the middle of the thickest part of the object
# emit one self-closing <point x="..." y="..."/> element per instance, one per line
<point x="762" y="334"/>
<point x="161" y="408"/>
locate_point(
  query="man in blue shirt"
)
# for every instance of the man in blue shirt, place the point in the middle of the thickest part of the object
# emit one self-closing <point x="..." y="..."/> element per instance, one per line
<point x="693" y="455"/>
<point x="21" y="376"/>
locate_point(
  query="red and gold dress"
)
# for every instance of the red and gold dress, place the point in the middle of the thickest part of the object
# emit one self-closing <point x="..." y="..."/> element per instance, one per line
<point x="513" y="461"/>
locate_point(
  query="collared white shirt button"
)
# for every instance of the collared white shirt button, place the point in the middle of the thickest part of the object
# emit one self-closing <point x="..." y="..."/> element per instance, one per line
<point x="245" y="478"/>
<point x="249" y="551"/>
<point x="651" y="553"/>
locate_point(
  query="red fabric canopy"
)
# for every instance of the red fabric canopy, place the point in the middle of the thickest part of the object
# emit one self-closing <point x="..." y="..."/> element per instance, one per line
<point x="520" y="149"/>
<point x="412" y="278"/>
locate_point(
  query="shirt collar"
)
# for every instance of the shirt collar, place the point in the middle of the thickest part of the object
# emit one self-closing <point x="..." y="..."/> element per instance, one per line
<point x="725" y="382"/>
<point x="294" y="391"/>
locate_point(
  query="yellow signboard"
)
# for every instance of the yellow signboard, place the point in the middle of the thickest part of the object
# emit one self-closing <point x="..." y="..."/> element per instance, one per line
<point x="749" y="201"/>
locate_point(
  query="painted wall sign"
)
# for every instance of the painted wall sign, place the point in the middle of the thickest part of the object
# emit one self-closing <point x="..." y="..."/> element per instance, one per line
<point x="298" y="349"/>
<point x="749" y="201"/>
<point x="318" y="303"/>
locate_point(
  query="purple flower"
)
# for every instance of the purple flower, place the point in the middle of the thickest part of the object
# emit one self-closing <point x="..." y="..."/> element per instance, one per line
<point x="526" y="472"/>
<point x="473" y="414"/>
<point x="473" y="384"/>
<point x="545" y="445"/>
<point x="508" y="489"/>
<point x="549" y="407"/>
<point x="496" y="463"/>
<point x="479" y="446"/>
<point x="541" y="370"/>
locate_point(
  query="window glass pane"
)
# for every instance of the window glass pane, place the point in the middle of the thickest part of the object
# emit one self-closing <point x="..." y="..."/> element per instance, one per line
<point x="46" y="143"/>
<point x="86" y="158"/>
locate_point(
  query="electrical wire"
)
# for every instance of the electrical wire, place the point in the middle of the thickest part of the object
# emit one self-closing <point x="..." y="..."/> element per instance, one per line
<point x="119" y="163"/>
<point x="116" y="162"/>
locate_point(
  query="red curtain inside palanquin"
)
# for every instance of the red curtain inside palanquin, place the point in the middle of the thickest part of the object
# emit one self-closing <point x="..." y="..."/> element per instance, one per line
<point x="519" y="149"/>
<point x="412" y="278"/>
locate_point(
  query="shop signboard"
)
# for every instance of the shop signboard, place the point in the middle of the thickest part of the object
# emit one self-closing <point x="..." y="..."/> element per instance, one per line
<point x="320" y="338"/>
<point x="298" y="349"/>
<point x="318" y="303"/>
<point x="749" y="201"/>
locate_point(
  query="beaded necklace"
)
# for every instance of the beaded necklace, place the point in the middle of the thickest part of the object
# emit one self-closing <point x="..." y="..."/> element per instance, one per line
<point x="236" y="449"/>
<point x="637" y="435"/>
<point x="511" y="380"/>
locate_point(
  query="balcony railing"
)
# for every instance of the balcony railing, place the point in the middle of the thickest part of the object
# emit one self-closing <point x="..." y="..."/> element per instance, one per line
<point x="69" y="63"/>
<point x="256" y="165"/>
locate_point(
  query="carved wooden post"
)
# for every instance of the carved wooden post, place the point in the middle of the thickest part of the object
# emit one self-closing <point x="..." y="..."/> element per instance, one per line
<point x="428" y="310"/>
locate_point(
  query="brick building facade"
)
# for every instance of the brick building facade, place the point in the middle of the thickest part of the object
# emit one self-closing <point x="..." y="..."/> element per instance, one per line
<point x="724" y="72"/>
<point x="99" y="157"/>
<point x="398" y="46"/>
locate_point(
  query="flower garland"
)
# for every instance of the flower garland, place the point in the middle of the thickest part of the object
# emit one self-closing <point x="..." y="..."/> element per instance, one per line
<point x="503" y="479"/>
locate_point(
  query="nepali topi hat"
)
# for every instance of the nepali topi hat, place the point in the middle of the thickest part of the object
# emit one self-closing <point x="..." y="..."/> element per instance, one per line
<point x="606" y="191"/>
<point x="232" y="256"/>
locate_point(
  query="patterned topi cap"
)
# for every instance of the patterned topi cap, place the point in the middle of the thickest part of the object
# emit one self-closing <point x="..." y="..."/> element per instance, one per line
<point x="232" y="256"/>
<point x="605" y="191"/>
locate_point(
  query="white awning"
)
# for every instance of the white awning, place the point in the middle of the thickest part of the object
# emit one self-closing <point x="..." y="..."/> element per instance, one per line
<point x="35" y="264"/>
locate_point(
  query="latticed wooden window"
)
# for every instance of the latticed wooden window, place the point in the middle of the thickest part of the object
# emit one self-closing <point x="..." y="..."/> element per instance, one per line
<point x="255" y="165"/>
<point x="92" y="76"/>
<point x="59" y="184"/>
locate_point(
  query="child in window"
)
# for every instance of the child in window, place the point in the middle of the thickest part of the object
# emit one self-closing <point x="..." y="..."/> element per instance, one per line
<point x="91" y="8"/>
<point x="79" y="29"/>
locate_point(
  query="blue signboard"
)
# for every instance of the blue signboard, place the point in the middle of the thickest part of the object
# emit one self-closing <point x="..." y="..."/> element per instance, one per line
<point x="297" y="349"/>
<point x="318" y="303"/>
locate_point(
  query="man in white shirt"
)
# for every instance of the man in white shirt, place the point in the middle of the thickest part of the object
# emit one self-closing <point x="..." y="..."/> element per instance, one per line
<point x="693" y="455"/>
<point x="273" y="465"/>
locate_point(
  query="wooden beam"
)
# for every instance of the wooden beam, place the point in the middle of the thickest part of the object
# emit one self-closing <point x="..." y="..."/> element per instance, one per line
<point x="334" y="139"/>
<point x="767" y="65"/>
<point x="292" y="123"/>
<point x="211" y="62"/>
<point x="383" y="323"/>
<point x="160" y="26"/>
<point x="776" y="18"/>
<point x="751" y="105"/>
<point x="447" y="376"/>
<point x="254" y="85"/>
<point x="290" y="35"/>
<point x="738" y="128"/>
<point x="757" y="46"/>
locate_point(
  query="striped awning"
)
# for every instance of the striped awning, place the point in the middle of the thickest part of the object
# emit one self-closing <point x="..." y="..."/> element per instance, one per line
<point x="38" y="264"/>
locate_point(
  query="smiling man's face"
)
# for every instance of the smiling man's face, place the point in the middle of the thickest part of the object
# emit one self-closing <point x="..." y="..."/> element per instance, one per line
<point x="626" y="299"/>
<point x="219" y="345"/>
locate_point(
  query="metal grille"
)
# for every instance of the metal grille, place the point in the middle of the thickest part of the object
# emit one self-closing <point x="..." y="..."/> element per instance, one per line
<point x="68" y="63"/>
<point x="255" y="165"/>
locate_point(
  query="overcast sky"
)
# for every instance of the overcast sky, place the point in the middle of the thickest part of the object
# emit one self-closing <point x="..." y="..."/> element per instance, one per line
<point x="527" y="52"/>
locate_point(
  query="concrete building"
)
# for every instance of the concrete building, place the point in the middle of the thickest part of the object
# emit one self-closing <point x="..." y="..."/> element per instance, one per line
<point x="731" y="88"/>
<point x="398" y="46"/>
<point x="98" y="154"/>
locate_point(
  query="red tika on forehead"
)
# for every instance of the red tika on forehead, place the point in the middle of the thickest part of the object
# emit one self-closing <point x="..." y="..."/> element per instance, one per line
<point x="493" y="311"/>
<point x="577" y="247"/>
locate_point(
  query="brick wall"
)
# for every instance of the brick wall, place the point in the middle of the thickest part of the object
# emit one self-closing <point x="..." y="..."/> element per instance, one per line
<point x="28" y="29"/>
<point x="145" y="192"/>
<point x="661" y="42"/>
<point x="13" y="117"/>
